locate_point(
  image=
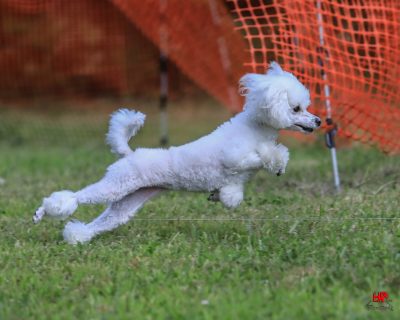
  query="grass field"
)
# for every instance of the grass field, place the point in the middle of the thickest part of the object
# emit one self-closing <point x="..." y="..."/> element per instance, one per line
<point x="299" y="252"/>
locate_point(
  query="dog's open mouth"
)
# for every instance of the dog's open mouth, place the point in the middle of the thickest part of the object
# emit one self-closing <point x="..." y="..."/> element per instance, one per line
<point x="306" y="129"/>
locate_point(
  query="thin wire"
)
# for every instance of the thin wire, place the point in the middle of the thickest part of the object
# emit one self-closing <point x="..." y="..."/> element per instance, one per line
<point x="272" y="219"/>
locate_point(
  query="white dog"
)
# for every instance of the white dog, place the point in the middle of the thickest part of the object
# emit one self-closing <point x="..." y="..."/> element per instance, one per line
<point x="219" y="163"/>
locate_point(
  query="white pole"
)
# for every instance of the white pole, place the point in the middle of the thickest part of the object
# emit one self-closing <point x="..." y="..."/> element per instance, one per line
<point x="335" y="168"/>
<point x="330" y="135"/>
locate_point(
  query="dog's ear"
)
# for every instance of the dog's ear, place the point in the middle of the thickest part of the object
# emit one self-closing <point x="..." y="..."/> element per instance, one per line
<point x="275" y="68"/>
<point x="261" y="92"/>
<point x="254" y="87"/>
<point x="251" y="82"/>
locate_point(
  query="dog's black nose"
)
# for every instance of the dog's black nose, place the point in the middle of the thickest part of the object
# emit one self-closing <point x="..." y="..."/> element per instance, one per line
<point x="318" y="121"/>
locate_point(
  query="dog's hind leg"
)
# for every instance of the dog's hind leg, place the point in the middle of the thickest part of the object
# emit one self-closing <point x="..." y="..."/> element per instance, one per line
<point x="62" y="204"/>
<point x="116" y="214"/>
<point x="118" y="182"/>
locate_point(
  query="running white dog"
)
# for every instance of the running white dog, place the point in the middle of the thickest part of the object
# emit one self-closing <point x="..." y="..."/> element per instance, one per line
<point x="219" y="163"/>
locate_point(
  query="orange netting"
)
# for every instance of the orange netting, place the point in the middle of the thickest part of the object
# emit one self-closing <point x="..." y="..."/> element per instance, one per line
<point x="56" y="47"/>
<point x="360" y="55"/>
<point x="111" y="47"/>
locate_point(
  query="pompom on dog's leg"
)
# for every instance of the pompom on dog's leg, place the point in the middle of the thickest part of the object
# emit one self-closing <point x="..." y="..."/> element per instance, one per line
<point x="77" y="232"/>
<point x="59" y="205"/>
<point x="231" y="195"/>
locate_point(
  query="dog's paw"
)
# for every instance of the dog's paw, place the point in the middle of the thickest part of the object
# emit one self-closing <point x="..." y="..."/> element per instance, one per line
<point x="275" y="159"/>
<point x="281" y="159"/>
<point x="39" y="214"/>
<point x="77" y="232"/>
<point x="214" y="196"/>
<point x="60" y="204"/>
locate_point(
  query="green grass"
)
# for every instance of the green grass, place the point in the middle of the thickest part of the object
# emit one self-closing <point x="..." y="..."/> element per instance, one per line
<point x="301" y="253"/>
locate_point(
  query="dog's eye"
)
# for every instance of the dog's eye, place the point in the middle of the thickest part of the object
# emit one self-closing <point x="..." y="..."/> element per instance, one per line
<point x="296" y="109"/>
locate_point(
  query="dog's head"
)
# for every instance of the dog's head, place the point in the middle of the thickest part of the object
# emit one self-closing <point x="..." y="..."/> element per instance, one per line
<point x="278" y="99"/>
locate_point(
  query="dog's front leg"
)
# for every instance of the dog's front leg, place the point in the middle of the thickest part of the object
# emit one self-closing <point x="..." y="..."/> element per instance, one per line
<point x="242" y="162"/>
<point x="281" y="159"/>
<point x="231" y="195"/>
<point x="274" y="158"/>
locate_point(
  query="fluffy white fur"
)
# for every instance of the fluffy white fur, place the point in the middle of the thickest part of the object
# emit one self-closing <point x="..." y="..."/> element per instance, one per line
<point x="77" y="232"/>
<point x="124" y="124"/>
<point x="60" y="205"/>
<point x="219" y="163"/>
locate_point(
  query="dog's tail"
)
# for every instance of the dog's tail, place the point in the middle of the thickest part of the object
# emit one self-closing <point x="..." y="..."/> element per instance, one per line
<point x="124" y="124"/>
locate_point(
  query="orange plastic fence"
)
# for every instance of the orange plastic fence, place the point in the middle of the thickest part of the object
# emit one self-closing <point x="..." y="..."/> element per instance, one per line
<point x="195" y="32"/>
<point x="53" y="47"/>
<point x="57" y="47"/>
<point x="360" y="55"/>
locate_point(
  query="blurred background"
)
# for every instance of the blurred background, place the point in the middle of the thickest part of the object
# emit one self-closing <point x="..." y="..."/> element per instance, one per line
<point x="65" y="65"/>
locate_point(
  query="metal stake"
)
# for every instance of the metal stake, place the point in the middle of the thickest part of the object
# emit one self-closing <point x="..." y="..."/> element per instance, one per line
<point x="332" y="129"/>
